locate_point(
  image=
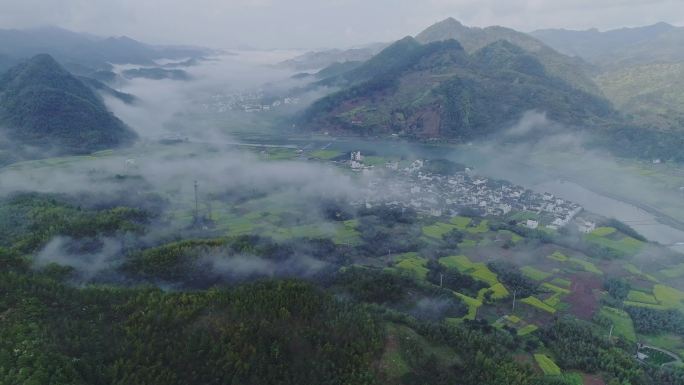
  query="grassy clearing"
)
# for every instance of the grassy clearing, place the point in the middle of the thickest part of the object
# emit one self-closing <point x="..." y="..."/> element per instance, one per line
<point x="547" y="365"/>
<point x="558" y="256"/>
<point x="621" y="321"/>
<point x="460" y="222"/>
<point x="669" y="296"/>
<point x="603" y="231"/>
<point x="671" y="342"/>
<point x="626" y="245"/>
<point x="279" y="154"/>
<point x="524" y="216"/>
<point x="528" y="329"/>
<point x="499" y="291"/>
<point x="437" y="230"/>
<point x="303" y="231"/>
<point x="555" y="300"/>
<point x="537" y="303"/>
<point x="631" y="268"/>
<point x="347" y="233"/>
<point x="555" y="289"/>
<point x="467" y="243"/>
<point x="481" y="227"/>
<point x="674" y="271"/>
<point x="515" y="238"/>
<point x="413" y="264"/>
<point x="573" y="378"/>
<point x="535" y="274"/>
<point x="648" y="305"/>
<point x="325" y="154"/>
<point x="478" y="271"/>
<point x="586" y="265"/>
<point x="561" y="282"/>
<point x="374" y="160"/>
<point x="472" y="303"/>
<point x="640" y="296"/>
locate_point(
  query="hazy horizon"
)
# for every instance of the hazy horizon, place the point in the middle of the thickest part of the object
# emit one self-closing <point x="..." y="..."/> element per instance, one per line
<point x="307" y="24"/>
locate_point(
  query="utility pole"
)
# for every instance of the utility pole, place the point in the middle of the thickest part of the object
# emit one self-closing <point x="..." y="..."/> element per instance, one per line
<point x="196" y="203"/>
<point x="610" y="333"/>
<point x="515" y="293"/>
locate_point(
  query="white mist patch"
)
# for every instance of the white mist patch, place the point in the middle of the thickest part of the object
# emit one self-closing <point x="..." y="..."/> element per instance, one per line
<point x="58" y="251"/>
<point x="245" y="266"/>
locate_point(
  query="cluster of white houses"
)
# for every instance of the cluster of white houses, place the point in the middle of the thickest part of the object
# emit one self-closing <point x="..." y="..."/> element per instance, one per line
<point x="247" y="102"/>
<point x="449" y="195"/>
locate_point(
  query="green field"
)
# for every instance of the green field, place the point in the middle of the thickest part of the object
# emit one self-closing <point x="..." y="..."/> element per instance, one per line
<point x="461" y="222"/>
<point x="626" y="245"/>
<point x="478" y="271"/>
<point x="472" y="303"/>
<point x="347" y="233"/>
<point x="438" y="230"/>
<point x="603" y="231"/>
<point x="539" y="304"/>
<point x="527" y="329"/>
<point x="674" y="271"/>
<point x="636" y="271"/>
<point x="534" y="273"/>
<point x="586" y="265"/>
<point x="640" y="296"/>
<point x="561" y="282"/>
<point x="413" y="264"/>
<point x="671" y="342"/>
<point x="325" y="154"/>
<point x="621" y="322"/>
<point x="669" y="296"/>
<point x="558" y="256"/>
<point x="547" y="365"/>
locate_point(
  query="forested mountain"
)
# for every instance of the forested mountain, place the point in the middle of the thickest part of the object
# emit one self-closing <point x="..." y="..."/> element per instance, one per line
<point x="44" y="106"/>
<point x="439" y="90"/>
<point x="658" y="43"/>
<point x="641" y="69"/>
<point x="573" y="71"/>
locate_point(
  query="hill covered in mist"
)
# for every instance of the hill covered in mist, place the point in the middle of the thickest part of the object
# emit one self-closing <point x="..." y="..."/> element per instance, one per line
<point x="45" y="108"/>
<point x="85" y="53"/>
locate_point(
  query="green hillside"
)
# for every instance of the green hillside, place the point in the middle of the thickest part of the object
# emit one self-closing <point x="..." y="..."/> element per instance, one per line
<point x="572" y="70"/>
<point x="44" y="106"/>
<point x="652" y="94"/>
<point x="438" y="90"/>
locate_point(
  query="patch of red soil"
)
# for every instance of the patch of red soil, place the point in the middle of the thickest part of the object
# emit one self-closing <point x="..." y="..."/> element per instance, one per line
<point x="584" y="298"/>
<point x="590" y="379"/>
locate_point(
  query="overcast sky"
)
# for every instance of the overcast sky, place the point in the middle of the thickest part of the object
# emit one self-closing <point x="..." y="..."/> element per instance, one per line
<point x="320" y="23"/>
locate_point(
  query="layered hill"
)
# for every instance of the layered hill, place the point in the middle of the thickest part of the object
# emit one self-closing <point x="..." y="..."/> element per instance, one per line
<point x="86" y="52"/>
<point x="572" y="70"/>
<point x="43" y="106"/>
<point x="641" y="69"/>
<point x="619" y="48"/>
<point x="440" y="90"/>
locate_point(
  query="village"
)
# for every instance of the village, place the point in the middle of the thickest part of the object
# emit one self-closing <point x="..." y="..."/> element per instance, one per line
<point x="246" y="102"/>
<point x="412" y="186"/>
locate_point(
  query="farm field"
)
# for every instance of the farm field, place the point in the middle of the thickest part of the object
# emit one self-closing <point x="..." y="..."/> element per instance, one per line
<point x="547" y="365"/>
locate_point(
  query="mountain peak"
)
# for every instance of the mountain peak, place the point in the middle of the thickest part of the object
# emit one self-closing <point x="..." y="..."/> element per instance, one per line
<point x="450" y="21"/>
<point x="44" y="60"/>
